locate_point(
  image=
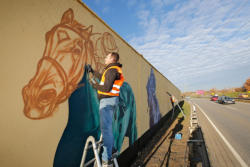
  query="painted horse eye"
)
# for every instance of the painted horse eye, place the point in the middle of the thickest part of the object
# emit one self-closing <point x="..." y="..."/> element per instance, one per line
<point x="46" y="96"/>
<point x="76" y="51"/>
<point x="62" y="36"/>
<point x="79" y="43"/>
<point x="77" y="47"/>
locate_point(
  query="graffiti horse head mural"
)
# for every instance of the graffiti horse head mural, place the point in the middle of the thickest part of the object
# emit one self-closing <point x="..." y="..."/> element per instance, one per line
<point x="68" y="48"/>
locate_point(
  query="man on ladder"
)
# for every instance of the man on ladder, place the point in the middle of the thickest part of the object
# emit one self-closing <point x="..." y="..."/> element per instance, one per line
<point x="108" y="94"/>
<point x="173" y="100"/>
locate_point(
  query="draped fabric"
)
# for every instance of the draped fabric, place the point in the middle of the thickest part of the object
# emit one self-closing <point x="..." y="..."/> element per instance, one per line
<point x="84" y="121"/>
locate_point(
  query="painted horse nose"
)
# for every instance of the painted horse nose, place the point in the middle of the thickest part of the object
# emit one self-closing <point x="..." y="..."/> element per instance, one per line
<point x="34" y="113"/>
<point x="38" y="104"/>
<point x="37" y="113"/>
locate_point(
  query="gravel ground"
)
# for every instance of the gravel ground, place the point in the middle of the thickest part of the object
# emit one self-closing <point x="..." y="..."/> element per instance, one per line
<point x="164" y="149"/>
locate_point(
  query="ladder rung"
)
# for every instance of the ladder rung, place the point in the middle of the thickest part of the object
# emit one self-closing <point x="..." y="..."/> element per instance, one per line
<point x="93" y="160"/>
<point x="99" y="142"/>
<point x="97" y="145"/>
<point x="96" y="148"/>
<point x="89" y="162"/>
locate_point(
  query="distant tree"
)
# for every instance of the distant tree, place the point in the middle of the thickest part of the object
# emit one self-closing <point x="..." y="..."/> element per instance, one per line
<point x="223" y="91"/>
<point x="238" y="90"/>
<point x="244" y="89"/>
<point x="213" y="91"/>
<point x="247" y="85"/>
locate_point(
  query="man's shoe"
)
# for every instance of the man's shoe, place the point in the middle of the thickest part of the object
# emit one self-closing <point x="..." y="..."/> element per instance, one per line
<point x="115" y="153"/>
<point x="107" y="163"/>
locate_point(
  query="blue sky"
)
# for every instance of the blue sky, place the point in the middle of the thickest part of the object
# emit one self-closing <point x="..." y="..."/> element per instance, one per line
<point x="196" y="44"/>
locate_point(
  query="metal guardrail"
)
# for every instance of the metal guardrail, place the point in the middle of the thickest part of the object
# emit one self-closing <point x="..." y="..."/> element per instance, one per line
<point x="236" y="98"/>
<point x="196" y="143"/>
<point x="240" y="98"/>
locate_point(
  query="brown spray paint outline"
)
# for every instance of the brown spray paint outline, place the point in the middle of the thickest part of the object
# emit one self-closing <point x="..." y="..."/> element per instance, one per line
<point x="68" y="42"/>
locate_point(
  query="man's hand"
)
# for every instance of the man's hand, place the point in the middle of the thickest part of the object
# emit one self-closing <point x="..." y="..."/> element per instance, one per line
<point x="93" y="83"/>
<point x="89" y="68"/>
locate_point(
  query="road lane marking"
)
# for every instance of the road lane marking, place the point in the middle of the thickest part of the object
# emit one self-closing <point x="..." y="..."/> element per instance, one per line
<point x="231" y="108"/>
<point x="243" y="103"/>
<point x="237" y="156"/>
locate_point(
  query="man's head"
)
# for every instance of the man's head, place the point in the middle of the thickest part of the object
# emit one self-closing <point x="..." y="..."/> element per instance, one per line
<point x="112" y="58"/>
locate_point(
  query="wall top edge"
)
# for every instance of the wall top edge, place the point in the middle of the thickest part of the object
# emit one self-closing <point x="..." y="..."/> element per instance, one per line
<point x="92" y="12"/>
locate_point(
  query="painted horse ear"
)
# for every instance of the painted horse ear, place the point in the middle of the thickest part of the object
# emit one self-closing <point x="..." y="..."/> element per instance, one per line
<point x="89" y="29"/>
<point x="68" y="16"/>
<point x="87" y="32"/>
<point x="47" y="35"/>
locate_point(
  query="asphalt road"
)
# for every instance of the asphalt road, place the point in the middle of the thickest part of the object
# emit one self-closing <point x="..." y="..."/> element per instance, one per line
<point x="233" y="121"/>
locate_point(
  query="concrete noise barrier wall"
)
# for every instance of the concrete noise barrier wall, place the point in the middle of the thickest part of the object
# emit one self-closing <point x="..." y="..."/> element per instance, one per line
<point x="48" y="106"/>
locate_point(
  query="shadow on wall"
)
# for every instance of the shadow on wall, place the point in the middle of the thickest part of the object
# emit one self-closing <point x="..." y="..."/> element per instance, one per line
<point x="153" y="106"/>
<point x="134" y="156"/>
<point x="61" y="75"/>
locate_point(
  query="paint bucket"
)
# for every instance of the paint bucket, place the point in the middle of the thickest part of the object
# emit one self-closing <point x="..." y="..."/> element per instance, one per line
<point x="178" y="136"/>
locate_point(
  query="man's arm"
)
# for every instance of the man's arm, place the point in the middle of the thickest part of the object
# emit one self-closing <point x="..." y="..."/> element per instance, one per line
<point x="97" y="74"/>
<point x="89" y="68"/>
<point x="110" y="77"/>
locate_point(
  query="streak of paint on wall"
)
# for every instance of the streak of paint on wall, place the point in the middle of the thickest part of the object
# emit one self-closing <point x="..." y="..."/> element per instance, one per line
<point x="153" y="105"/>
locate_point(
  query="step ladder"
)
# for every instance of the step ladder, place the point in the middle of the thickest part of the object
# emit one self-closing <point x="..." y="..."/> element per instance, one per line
<point x="96" y="148"/>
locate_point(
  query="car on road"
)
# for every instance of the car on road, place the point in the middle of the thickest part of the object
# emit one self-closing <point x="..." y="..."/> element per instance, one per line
<point x="214" y="98"/>
<point x="226" y="100"/>
<point x="243" y="95"/>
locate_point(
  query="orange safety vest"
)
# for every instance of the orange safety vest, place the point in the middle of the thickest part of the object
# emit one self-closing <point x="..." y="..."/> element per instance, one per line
<point x="116" y="85"/>
<point x="172" y="99"/>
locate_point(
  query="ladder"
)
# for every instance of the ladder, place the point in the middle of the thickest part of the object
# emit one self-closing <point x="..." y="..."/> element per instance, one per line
<point x="180" y="108"/>
<point x="96" y="148"/>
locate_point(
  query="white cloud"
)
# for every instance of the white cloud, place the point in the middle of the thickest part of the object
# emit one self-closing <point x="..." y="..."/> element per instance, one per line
<point x="105" y="9"/>
<point x="194" y="38"/>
